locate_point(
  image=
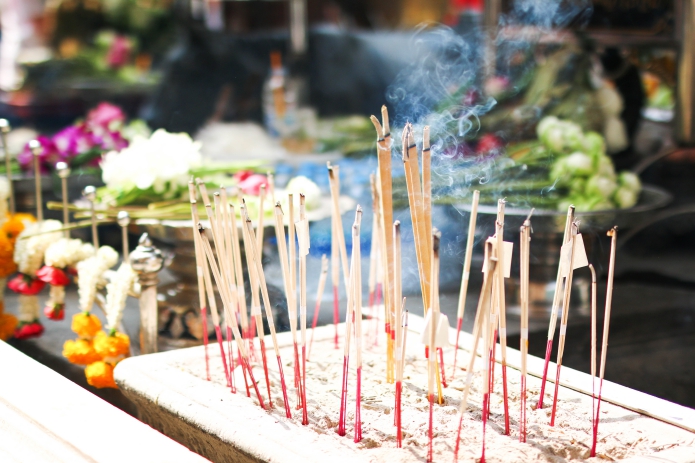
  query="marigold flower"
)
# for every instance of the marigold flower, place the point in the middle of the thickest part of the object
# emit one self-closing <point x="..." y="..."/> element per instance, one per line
<point x="7" y="263"/>
<point x="111" y="345"/>
<point x="8" y="323"/>
<point x="80" y="352"/>
<point x="86" y="325"/>
<point x="100" y="374"/>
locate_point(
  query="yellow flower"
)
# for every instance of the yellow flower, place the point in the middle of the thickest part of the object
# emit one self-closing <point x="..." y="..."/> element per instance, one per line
<point x="80" y="352"/>
<point x="85" y="325"/>
<point x="8" y="323"/>
<point x="111" y="345"/>
<point x="100" y="374"/>
<point x="7" y="263"/>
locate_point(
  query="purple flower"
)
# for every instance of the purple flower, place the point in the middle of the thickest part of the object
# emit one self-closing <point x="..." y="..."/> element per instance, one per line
<point x="74" y="140"/>
<point x="47" y="159"/>
<point x="113" y="141"/>
<point x="104" y="118"/>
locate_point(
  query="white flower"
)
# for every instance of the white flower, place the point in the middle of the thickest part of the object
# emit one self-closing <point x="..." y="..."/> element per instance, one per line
<point x="28" y="253"/>
<point x="164" y="158"/>
<point x="67" y="252"/>
<point x="28" y="309"/>
<point x="89" y="273"/>
<point x="116" y="294"/>
<point x="310" y="190"/>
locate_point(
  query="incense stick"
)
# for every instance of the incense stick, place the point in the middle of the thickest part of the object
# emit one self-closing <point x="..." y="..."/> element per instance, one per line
<point x="373" y="252"/>
<point x="524" y="252"/>
<point x="613" y="233"/>
<point x="4" y="130"/>
<point x="199" y="272"/>
<point x="335" y="279"/>
<point x="434" y="325"/>
<point x="466" y="273"/>
<point x="319" y="297"/>
<point x="478" y="328"/>
<point x="303" y="235"/>
<point x="563" y="321"/>
<point x="224" y="293"/>
<point x="397" y="296"/>
<point x="259" y="273"/>
<point x="593" y="345"/>
<point x="399" y="383"/>
<point x="502" y="312"/>
<point x="357" y="289"/>
<point x="556" y="303"/>
<point x="385" y="193"/>
<point x="293" y="284"/>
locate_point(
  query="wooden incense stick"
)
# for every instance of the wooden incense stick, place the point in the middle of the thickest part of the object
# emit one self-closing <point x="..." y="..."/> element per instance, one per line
<point x="36" y="149"/>
<point x="524" y="256"/>
<point x="289" y="288"/>
<point x="399" y="377"/>
<point x="397" y="296"/>
<point x="232" y="275"/>
<point x="254" y="252"/>
<point x="337" y="233"/>
<point x="385" y="193"/>
<point x="346" y="347"/>
<point x="557" y="299"/>
<point x="563" y="321"/>
<point x="373" y="253"/>
<point x="466" y="272"/>
<point x="434" y="325"/>
<point x="593" y="345"/>
<point x="502" y="311"/>
<point x="478" y="328"/>
<point x="357" y="290"/>
<point x="208" y="280"/>
<point x="4" y="131"/>
<point x="254" y="280"/>
<point x="319" y="297"/>
<point x="613" y="233"/>
<point x="302" y="228"/>
<point x="199" y="262"/>
<point x="335" y="280"/>
<point x="226" y="299"/>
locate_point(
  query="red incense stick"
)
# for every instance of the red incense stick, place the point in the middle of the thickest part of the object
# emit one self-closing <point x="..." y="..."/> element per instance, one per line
<point x="303" y="235"/>
<point x="556" y="303"/>
<point x="524" y="253"/>
<point x="613" y="233"/>
<point x="357" y="289"/>
<point x="432" y="344"/>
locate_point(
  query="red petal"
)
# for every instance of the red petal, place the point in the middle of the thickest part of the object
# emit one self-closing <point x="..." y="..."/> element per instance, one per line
<point x="53" y="276"/>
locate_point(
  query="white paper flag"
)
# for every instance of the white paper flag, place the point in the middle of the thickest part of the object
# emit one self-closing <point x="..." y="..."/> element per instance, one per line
<point x="580" y="259"/>
<point x="441" y="338"/>
<point x="508" y="251"/>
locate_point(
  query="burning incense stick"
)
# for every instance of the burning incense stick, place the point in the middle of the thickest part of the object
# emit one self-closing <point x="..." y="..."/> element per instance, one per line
<point x="199" y="262"/>
<point x="338" y="237"/>
<point x="613" y="233"/>
<point x="357" y="290"/>
<point x="524" y="253"/>
<point x="319" y="297"/>
<point x="348" y="333"/>
<point x="478" y="328"/>
<point x="502" y="310"/>
<point x="226" y="299"/>
<point x="565" y="314"/>
<point x="4" y="130"/>
<point x="254" y="278"/>
<point x="259" y="273"/>
<point x="289" y="289"/>
<point x="466" y="272"/>
<point x="303" y="237"/>
<point x="385" y="193"/>
<point x="434" y="326"/>
<point x="556" y="304"/>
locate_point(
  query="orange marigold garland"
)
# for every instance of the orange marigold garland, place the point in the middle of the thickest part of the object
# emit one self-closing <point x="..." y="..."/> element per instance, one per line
<point x="100" y="375"/>
<point x="80" y="351"/>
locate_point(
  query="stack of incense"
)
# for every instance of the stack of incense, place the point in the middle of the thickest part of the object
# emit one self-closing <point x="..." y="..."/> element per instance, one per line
<point x="480" y="327"/>
<point x="385" y="195"/>
<point x="613" y="233"/>
<point x="466" y="272"/>
<point x="349" y="318"/>
<point x="556" y="304"/>
<point x="524" y="257"/>
<point x="338" y="249"/>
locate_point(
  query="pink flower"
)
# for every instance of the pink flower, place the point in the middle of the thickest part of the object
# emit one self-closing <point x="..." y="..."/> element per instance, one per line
<point x="104" y="118"/>
<point x="111" y="141"/>
<point x="47" y="159"/>
<point x="119" y="52"/>
<point x="251" y="185"/>
<point x="74" y="140"/>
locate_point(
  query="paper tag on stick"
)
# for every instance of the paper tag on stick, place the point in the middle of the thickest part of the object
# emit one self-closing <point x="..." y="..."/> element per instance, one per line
<point x="580" y="259"/>
<point x="302" y="228"/>
<point x="508" y="247"/>
<point x="441" y="338"/>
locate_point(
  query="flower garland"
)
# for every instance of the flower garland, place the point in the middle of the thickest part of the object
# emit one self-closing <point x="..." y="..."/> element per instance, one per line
<point x="59" y="256"/>
<point x="100" y="350"/>
<point x="28" y="255"/>
<point x="9" y="231"/>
